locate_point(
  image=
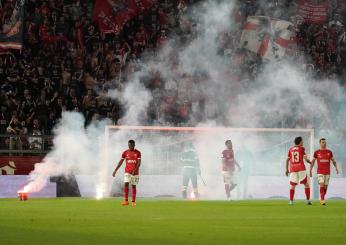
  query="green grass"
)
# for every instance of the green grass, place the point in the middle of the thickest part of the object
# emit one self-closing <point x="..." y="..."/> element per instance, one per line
<point x="85" y="221"/>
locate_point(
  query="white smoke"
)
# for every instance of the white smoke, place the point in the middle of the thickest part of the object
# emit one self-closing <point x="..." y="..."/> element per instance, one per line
<point x="280" y="93"/>
<point x="135" y="99"/>
<point x="83" y="151"/>
<point x="76" y="150"/>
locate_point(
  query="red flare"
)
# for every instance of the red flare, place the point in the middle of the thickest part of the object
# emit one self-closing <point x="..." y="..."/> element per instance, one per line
<point x="22" y="195"/>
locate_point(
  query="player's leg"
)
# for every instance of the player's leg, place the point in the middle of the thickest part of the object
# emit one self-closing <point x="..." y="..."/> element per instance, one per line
<point x="326" y="183"/>
<point x="293" y="184"/>
<point x="186" y="178"/>
<point x="126" y="194"/>
<point x="325" y="186"/>
<point x="292" y="191"/>
<point x="134" y="192"/>
<point x="228" y="190"/>
<point x="126" y="189"/>
<point x="322" y="194"/>
<point x="307" y="193"/>
<point x="233" y="183"/>
<point x="321" y="180"/>
<point x="303" y="179"/>
<point x="227" y="182"/>
<point x="194" y="184"/>
<point x="134" y="183"/>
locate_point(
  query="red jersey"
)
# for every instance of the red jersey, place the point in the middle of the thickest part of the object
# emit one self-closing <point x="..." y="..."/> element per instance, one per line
<point x="296" y="156"/>
<point x="228" y="161"/>
<point x="323" y="161"/>
<point x="131" y="158"/>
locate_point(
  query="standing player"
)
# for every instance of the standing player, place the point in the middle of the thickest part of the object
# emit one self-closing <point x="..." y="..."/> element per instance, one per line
<point x="323" y="157"/>
<point x="228" y="168"/>
<point x="297" y="170"/>
<point x="191" y="169"/>
<point x="133" y="161"/>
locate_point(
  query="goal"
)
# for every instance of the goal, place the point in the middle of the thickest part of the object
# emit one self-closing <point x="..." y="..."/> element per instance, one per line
<point x="260" y="152"/>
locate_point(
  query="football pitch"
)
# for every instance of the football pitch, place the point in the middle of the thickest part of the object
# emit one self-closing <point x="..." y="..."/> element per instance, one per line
<point x="87" y="221"/>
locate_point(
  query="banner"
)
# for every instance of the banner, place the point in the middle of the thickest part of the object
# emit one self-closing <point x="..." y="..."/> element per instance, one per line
<point x="111" y="15"/>
<point x="11" y="35"/>
<point x="16" y="165"/>
<point x="314" y="13"/>
<point x="269" y="38"/>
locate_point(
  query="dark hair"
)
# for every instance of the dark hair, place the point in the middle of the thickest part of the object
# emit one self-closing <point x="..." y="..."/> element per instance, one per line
<point x="131" y="142"/>
<point x="297" y="140"/>
<point x="322" y="139"/>
<point x="228" y="141"/>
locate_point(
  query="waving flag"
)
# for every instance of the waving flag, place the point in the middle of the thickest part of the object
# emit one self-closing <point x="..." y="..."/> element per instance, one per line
<point x="11" y="36"/>
<point x="111" y="15"/>
<point x="266" y="37"/>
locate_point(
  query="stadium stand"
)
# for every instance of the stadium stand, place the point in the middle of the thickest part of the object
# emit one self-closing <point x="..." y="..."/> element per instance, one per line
<point x="67" y="62"/>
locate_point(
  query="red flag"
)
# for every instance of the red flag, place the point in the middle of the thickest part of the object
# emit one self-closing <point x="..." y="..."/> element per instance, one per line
<point x="269" y="38"/>
<point x="12" y="33"/>
<point x="111" y="15"/>
<point x="104" y="17"/>
<point x="315" y="13"/>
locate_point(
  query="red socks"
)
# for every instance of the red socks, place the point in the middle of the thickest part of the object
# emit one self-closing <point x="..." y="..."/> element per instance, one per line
<point x="126" y="193"/>
<point x="134" y="191"/>
<point x="291" y="194"/>
<point x="307" y="193"/>
<point x="322" y="193"/>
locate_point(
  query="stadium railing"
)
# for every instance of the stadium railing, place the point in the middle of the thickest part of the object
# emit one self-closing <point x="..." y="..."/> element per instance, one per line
<point x="29" y="144"/>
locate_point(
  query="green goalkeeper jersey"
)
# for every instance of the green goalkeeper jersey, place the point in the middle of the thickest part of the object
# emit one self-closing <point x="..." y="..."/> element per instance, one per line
<point x="189" y="158"/>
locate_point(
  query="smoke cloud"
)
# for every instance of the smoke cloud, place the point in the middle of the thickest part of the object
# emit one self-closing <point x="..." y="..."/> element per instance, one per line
<point x="274" y="94"/>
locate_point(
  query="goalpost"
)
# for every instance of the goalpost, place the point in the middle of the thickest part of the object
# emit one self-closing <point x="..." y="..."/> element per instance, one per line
<point x="261" y="153"/>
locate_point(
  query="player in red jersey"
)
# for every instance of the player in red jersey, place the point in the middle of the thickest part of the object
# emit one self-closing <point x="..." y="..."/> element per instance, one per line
<point x="323" y="157"/>
<point x="228" y="168"/>
<point x="133" y="161"/>
<point x="297" y="171"/>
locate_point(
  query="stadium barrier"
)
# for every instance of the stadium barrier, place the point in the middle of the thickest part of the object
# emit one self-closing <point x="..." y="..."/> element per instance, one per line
<point x="24" y="145"/>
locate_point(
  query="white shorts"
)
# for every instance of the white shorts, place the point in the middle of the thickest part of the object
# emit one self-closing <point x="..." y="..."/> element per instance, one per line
<point x="228" y="177"/>
<point x="298" y="178"/>
<point x="323" y="179"/>
<point x="132" y="179"/>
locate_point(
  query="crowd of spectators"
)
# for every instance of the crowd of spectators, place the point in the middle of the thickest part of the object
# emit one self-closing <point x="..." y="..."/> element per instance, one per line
<point x="67" y="64"/>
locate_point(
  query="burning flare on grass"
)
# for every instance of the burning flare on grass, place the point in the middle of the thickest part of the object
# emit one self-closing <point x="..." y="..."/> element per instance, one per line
<point x="23" y="195"/>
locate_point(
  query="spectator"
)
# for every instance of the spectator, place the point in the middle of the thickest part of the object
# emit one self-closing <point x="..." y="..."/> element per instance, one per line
<point x="14" y="129"/>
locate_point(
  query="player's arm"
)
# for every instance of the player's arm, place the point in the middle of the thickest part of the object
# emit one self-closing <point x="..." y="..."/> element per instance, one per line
<point x="287" y="163"/>
<point x="183" y="158"/>
<point x="312" y="166"/>
<point x="237" y="164"/>
<point x="307" y="159"/>
<point x="118" y="166"/>
<point x="335" y="165"/>
<point x="137" y="166"/>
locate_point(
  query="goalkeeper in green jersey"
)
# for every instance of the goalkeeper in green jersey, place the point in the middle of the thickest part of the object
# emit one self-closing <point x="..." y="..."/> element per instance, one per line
<point x="191" y="169"/>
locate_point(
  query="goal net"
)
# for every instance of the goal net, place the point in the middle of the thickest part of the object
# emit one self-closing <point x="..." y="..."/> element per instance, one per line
<point x="260" y="152"/>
